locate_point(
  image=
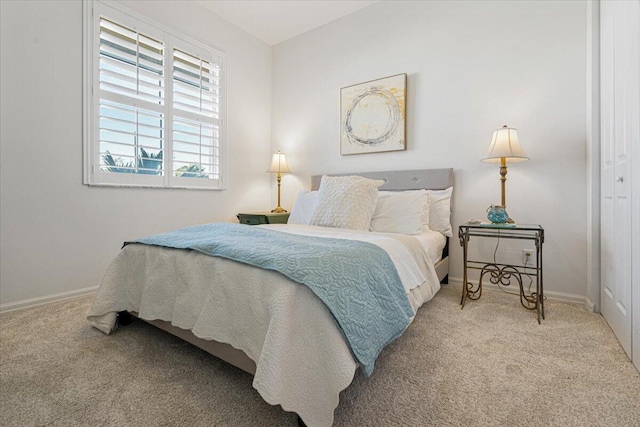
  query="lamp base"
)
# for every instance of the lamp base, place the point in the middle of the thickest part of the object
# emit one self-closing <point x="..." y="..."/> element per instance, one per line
<point x="278" y="210"/>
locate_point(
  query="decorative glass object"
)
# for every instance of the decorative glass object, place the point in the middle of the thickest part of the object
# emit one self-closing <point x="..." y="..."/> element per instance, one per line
<point x="497" y="214"/>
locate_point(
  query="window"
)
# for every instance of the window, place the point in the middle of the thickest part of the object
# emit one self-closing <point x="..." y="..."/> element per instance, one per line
<point x="153" y="105"/>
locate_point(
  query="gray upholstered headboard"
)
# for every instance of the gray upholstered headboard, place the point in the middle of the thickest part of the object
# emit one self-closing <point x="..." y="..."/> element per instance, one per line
<point x="430" y="179"/>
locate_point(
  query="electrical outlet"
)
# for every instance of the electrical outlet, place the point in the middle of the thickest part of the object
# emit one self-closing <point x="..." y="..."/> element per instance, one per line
<point x="527" y="257"/>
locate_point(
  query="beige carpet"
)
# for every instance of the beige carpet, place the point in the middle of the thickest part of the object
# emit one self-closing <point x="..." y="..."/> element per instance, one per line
<point x="489" y="364"/>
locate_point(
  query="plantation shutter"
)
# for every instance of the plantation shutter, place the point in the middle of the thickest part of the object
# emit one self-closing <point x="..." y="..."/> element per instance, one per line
<point x="132" y="96"/>
<point x="153" y="111"/>
<point x="196" y="116"/>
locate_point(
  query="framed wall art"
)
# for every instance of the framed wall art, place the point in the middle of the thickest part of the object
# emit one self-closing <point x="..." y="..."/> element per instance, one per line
<point x="373" y="116"/>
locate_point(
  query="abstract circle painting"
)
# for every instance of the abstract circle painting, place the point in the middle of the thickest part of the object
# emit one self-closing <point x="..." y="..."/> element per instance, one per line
<point x="373" y="116"/>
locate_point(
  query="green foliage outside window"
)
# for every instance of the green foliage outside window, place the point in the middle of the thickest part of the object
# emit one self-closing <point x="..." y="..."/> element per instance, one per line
<point x="148" y="164"/>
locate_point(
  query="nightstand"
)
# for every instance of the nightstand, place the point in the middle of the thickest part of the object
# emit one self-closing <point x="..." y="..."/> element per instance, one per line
<point x="257" y="218"/>
<point x="504" y="274"/>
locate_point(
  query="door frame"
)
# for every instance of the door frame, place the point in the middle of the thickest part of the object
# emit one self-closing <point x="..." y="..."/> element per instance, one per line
<point x="592" y="299"/>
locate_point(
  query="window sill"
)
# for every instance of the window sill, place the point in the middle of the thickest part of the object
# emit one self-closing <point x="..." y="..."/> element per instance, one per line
<point x="157" y="187"/>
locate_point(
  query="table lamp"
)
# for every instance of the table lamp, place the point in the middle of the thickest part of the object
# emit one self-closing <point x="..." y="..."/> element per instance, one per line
<point x="279" y="166"/>
<point x="505" y="147"/>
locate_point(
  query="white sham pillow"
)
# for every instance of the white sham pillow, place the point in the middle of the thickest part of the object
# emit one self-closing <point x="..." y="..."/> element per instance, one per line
<point x="303" y="207"/>
<point x="404" y="212"/>
<point x="346" y="202"/>
<point x="440" y="211"/>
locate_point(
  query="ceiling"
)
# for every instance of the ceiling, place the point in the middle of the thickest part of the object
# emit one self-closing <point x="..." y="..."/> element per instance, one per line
<point x="276" y="21"/>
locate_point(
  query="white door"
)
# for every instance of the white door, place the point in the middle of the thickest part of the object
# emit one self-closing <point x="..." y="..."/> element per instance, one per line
<point x="619" y="124"/>
<point x="634" y="117"/>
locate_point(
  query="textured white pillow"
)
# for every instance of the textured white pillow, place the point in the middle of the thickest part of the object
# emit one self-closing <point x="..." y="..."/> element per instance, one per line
<point x="440" y="211"/>
<point x="303" y="207"/>
<point x="346" y="202"/>
<point x="404" y="212"/>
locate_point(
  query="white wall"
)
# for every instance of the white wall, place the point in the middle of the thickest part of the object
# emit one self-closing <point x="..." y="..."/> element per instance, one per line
<point x="472" y="67"/>
<point x="58" y="235"/>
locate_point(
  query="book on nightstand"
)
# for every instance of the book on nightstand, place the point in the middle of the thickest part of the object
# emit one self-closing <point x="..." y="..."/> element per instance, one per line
<point x="493" y="225"/>
<point x="487" y="224"/>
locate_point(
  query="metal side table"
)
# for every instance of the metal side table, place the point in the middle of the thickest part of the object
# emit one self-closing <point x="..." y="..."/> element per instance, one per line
<point x="503" y="274"/>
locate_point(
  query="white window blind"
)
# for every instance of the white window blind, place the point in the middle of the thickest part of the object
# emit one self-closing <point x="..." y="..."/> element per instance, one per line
<point x="131" y="64"/>
<point x="196" y="120"/>
<point x="156" y="111"/>
<point x="131" y="75"/>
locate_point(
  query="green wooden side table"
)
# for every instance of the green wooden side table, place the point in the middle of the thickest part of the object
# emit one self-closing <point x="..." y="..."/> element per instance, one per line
<point x="257" y="218"/>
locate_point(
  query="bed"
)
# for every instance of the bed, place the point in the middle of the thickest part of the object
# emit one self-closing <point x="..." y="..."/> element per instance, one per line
<point x="262" y="321"/>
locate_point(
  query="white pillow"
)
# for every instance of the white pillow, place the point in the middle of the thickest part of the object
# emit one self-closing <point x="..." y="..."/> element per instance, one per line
<point x="404" y="212"/>
<point x="440" y="211"/>
<point x="346" y="202"/>
<point x="303" y="207"/>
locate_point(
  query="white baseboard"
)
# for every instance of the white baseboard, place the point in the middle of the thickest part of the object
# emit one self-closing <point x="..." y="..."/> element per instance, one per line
<point x="590" y="306"/>
<point x="64" y="296"/>
<point x="553" y="295"/>
<point x="34" y="302"/>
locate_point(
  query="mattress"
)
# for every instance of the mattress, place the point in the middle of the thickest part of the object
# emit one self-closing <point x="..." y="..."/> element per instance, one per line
<point x="433" y="243"/>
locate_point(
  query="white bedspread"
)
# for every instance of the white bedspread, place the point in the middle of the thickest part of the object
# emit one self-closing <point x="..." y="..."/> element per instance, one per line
<point x="302" y="360"/>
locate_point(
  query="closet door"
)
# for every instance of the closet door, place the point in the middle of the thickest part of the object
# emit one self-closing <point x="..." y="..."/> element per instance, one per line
<point x="633" y="106"/>
<point x="619" y="124"/>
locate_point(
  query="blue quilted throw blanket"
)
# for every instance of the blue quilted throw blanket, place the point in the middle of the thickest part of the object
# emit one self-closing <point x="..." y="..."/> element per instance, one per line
<point x="357" y="281"/>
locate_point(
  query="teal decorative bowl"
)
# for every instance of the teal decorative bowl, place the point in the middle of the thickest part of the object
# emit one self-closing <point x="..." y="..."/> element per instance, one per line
<point x="497" y="214"/>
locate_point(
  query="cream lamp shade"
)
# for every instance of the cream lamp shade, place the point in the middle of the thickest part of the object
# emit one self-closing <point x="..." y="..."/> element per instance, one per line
<point x="505" y="145"/>
<point x="279" y="163"/>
